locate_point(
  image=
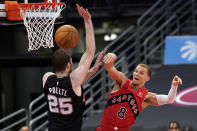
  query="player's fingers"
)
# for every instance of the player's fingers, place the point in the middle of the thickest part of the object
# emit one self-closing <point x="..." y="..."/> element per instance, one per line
<point x="100" y="54"/>
<point x="106" y="56"/>
<point x="80" y="8"/>
<point x="77" y="5"/>
<point x="105" y="62"/>
<point x="100" y="63"/>
<point x="98" y="60"/>
<point x="104" y="59"/>
<point x="86" y="10"/>
<point x="107" y="59"/>
<point x="83" y="9"/>
<point x="80" y="11"/>
<point x="180" y="81"/>
<point x="175" y="78"/>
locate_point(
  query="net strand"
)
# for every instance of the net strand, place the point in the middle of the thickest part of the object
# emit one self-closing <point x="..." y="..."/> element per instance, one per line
<point x="40" y="24"/>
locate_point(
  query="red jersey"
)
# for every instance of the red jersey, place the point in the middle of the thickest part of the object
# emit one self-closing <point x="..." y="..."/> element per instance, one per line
<point x="122" y="108"/>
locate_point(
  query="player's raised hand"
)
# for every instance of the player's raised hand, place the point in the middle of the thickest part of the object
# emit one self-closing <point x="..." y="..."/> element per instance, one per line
<point x="83" y="12"/>
<point x="109" y="58"/>
<point x="176" y="81"/>
<point x="98" y="61"/>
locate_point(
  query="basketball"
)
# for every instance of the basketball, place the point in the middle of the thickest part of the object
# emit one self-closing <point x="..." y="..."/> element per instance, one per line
<point x="66" y="36"/>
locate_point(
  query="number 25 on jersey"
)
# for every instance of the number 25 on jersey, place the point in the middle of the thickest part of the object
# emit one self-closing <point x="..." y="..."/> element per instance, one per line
<point x="60" y="105"/>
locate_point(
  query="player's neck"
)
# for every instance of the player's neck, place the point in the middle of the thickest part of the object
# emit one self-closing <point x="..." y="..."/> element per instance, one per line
<point x="136" y="87"/>
<point x="62" y="74"/>
<point x="116" y="88"/>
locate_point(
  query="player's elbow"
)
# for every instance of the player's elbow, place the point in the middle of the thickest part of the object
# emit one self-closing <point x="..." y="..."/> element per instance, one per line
<point x="164" y="99"/>
<point x="91" y="51"/>
<point x="91" y="46"/>
<point x="171" y="100"/>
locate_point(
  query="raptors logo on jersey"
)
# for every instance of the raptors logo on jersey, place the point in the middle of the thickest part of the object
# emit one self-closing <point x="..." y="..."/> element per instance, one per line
<point x="128" y="98"/>
<point x="140" y="94"/>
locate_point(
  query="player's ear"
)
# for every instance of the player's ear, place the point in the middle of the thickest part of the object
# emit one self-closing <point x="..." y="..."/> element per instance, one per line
<point x="68" y="66"/>
<point x="148" y="78"/>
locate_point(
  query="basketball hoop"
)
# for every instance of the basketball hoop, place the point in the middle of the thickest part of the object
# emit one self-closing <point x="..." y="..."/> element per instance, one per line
<point x="39" y="21"/>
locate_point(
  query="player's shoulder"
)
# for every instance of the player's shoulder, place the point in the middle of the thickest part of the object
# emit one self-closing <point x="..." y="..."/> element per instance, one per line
<point x="45" y="77"/>
<point x="150" y="95"/>
<point x="124" y="79"/>
<point x="47" y="74"/>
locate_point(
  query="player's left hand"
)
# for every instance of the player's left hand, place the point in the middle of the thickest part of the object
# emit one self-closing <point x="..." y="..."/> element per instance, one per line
<point x="109" y="58"/>
<point x="83" y="12"/>
<point x="98" y="61"/>
<point x="176" y="81"/>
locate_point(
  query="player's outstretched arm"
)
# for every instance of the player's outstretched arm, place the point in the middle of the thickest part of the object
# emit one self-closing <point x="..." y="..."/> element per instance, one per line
<point x="79" y="74"/>
<point x="95" y="68"/>
<point x="114" y="74"/>
<point x="156" y="100"/>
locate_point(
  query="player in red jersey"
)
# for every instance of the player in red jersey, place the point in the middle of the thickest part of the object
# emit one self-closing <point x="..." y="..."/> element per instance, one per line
<point x="129" y="97"/>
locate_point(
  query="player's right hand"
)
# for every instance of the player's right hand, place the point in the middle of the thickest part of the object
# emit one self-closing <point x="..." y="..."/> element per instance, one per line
<point x="83" y="12"/>
<point x="176" y="81"/>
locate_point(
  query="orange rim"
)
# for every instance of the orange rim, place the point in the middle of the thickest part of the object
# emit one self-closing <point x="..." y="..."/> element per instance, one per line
<point x="38" y="5"/>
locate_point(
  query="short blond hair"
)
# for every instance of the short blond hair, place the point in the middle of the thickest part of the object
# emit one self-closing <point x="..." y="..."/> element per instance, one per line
<point x="147" y="67"/>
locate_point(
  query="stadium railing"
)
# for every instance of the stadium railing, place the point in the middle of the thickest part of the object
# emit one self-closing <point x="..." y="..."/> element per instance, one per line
<point x="14" y="119"/>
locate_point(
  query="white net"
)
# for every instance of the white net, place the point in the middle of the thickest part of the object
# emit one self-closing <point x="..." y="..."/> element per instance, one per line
<point x="39" y="22"/>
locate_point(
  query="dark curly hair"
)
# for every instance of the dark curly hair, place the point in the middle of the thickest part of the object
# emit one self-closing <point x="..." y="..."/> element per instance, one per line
<point x="60" y="59"/>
